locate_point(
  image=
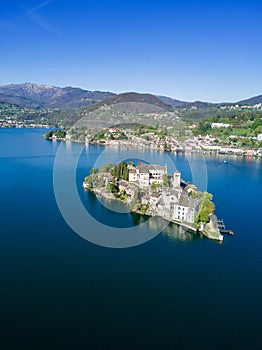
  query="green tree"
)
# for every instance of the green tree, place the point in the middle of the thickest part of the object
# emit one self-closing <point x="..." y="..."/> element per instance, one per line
<point x="207" y="207"/>
<point x="120" y="171"/>
<point x="166" y="181"/>
<point x="126" y="174"/>
<point x="60" y="134"/>
<point x="93" y="171"/>
<point x="113" y="188"/>
<point x="103" y="168"/>
<point x="204" y="127"/>
<point x="49" y="134"/>
<point x="109" y="165"/>
<point x="155" y="186"/>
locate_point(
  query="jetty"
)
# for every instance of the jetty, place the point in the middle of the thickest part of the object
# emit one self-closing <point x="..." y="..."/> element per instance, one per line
<point x="227" y="232"/>
<point x="222" y="228"/>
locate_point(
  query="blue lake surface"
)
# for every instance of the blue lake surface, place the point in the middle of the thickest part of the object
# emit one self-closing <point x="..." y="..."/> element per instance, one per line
<point x="177" y="291"/>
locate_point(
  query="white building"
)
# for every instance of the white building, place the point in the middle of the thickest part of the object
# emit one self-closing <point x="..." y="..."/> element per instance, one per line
<point x="146" y="174"/>
<point x="221" y="125"/>
<point x="171" y="203"/>
<point x="185" y="209"/>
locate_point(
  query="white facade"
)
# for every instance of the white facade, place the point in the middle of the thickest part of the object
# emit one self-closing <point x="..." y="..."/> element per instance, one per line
<point x="184" y="213"/>
<point x="132" y="177"/>
<point x="221" y="125"/>
<point x="144" y="179"/>
<point x="180" y="212"/>
<point x="146" y="174"/>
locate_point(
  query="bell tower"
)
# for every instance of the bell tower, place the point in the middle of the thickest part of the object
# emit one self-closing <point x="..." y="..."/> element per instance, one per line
<point x="176" y="179"/>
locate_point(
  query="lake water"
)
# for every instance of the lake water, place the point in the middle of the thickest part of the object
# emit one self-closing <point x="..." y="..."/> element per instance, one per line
<point x="177" y="291"/>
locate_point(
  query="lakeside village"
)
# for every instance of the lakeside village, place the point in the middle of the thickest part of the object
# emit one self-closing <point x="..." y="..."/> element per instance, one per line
<point x="149" y="190"/>
<point x="22" y="124"/>
<point x="154" y="140"/>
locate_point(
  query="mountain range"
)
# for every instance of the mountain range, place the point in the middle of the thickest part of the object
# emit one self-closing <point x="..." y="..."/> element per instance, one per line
<point x="70" y="98"/>
<point x="50" y="97"/>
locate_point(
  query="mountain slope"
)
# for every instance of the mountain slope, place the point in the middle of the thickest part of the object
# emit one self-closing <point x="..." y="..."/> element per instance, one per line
<point x="125" y="108"/>
<point x="37" y="96"/>
<point x="45" y="96"/>
<point x="140" y="103"/>
<point x="251" y="101"/>
<point x="172" y="102"/>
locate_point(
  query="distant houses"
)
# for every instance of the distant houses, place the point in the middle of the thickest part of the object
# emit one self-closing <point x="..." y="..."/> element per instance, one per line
<point x="221" y="125"/>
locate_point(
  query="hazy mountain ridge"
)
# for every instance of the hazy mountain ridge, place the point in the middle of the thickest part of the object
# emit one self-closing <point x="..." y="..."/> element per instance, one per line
<point x="36" y="96"/>
<point x="251" y="101"/>
<point x="172" y="102"/>
<point x="31" y="95"/>
<point x="44" y="96"/>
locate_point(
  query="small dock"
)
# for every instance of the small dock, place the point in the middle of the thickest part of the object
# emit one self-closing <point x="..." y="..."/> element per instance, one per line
<point x="222" y="228"/>
<point x="227" y="232"/>
<point x="220" y="224"/>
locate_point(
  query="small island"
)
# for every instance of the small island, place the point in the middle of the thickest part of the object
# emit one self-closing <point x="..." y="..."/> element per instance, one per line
<point x="148" y="189"/>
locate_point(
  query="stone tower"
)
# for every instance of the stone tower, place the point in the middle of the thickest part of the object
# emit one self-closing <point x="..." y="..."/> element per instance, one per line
<point x="176" y="179"/>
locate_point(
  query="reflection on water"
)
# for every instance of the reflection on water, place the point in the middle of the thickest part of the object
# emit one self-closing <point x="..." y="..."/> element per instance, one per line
<point x="171" y="231"/>
<point x="114" y="204"/>
<point x="178" y="233"/>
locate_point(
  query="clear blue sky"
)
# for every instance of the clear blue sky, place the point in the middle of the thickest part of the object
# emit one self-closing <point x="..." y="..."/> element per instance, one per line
<point x="190" y="50"/>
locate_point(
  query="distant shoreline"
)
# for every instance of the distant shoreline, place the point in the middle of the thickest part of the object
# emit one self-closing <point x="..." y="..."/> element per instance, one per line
<point x="136" y="146"/>
<point x="204" y="152"/>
